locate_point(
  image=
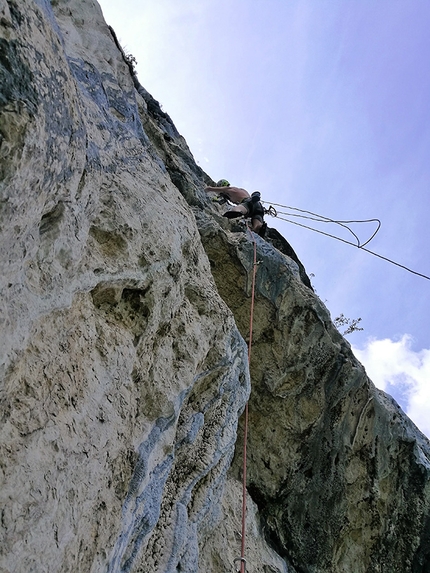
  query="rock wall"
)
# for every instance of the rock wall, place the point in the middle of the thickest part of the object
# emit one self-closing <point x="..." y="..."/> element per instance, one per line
<point x="125" y="303"/>
<point x="339" y="474"/>
<point x="123" y="372"/>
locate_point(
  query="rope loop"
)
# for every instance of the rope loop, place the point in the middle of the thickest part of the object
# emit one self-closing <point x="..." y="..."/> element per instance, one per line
<point x="309" y="215"/>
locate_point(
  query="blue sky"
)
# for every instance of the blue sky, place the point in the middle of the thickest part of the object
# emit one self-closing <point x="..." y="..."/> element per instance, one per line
<point x="321" y="105"/>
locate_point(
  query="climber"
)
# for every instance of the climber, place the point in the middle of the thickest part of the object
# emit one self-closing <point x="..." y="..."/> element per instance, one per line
<point x="246" y="205"/>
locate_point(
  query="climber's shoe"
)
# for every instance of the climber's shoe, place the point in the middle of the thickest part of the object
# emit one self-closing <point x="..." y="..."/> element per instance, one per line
<point x="232" y="214"/>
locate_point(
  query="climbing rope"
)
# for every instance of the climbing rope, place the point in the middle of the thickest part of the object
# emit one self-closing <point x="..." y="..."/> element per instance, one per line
<point x="321" y="219"/>
<point x="242" y="559"/>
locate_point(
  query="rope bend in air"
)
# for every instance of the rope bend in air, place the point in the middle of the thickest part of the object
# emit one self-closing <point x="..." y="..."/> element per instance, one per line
<point x="303" y="214"/>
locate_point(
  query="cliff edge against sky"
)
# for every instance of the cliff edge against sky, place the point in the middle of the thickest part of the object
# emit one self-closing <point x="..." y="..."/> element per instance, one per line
<point x="125" y="300"/>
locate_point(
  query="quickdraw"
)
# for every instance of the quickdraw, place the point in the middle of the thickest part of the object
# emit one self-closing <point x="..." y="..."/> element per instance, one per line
<point x="242" y="566"/>
<point x="271" y="211"/>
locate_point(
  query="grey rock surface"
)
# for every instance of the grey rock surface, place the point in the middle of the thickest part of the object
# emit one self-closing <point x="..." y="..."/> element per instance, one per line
<point x="125" y="300"/>
<point x="123" y="372"/>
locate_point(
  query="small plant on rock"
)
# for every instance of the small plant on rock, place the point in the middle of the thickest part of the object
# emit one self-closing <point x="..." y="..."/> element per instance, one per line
<point x="351" y="323"/>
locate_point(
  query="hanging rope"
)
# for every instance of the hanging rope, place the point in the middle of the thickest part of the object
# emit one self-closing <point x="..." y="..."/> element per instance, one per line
<point x="245" y="426"/>
<point x="321" y="219"/>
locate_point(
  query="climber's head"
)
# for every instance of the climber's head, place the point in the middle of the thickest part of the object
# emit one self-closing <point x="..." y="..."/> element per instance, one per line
<point x="223" y="183"/>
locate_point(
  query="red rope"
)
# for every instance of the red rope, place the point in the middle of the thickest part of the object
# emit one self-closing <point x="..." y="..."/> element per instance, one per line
<point x="245" y="429"/>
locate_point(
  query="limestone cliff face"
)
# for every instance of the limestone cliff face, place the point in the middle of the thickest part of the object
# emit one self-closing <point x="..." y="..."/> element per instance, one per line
<point x="124" y="313"/>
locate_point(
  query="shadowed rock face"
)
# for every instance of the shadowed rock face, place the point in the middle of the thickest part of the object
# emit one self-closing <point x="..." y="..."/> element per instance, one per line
<point x="125" y="300"/>
<point x="334" y="465"/>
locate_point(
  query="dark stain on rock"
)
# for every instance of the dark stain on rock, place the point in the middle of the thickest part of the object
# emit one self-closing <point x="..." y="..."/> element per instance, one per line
<point x="50" y="222"/>
<point x="16" y="78"/>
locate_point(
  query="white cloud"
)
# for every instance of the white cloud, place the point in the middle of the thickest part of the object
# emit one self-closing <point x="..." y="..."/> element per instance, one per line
<point x="393" y="366"/>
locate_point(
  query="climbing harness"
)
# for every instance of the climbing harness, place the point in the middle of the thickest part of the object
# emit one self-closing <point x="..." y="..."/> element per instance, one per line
<point x="253" y="206"/>
<point x="303" y="214"/>
<point x="242" y="559"/>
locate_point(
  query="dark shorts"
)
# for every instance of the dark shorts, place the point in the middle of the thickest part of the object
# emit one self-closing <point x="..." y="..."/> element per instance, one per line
<point x="256" y="210"/>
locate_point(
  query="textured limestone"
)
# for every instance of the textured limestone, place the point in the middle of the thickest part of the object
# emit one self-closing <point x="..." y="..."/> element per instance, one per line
<point x="125" y="301"/>
<point x="221" y="550"/>
<point x="123" y="372"/>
